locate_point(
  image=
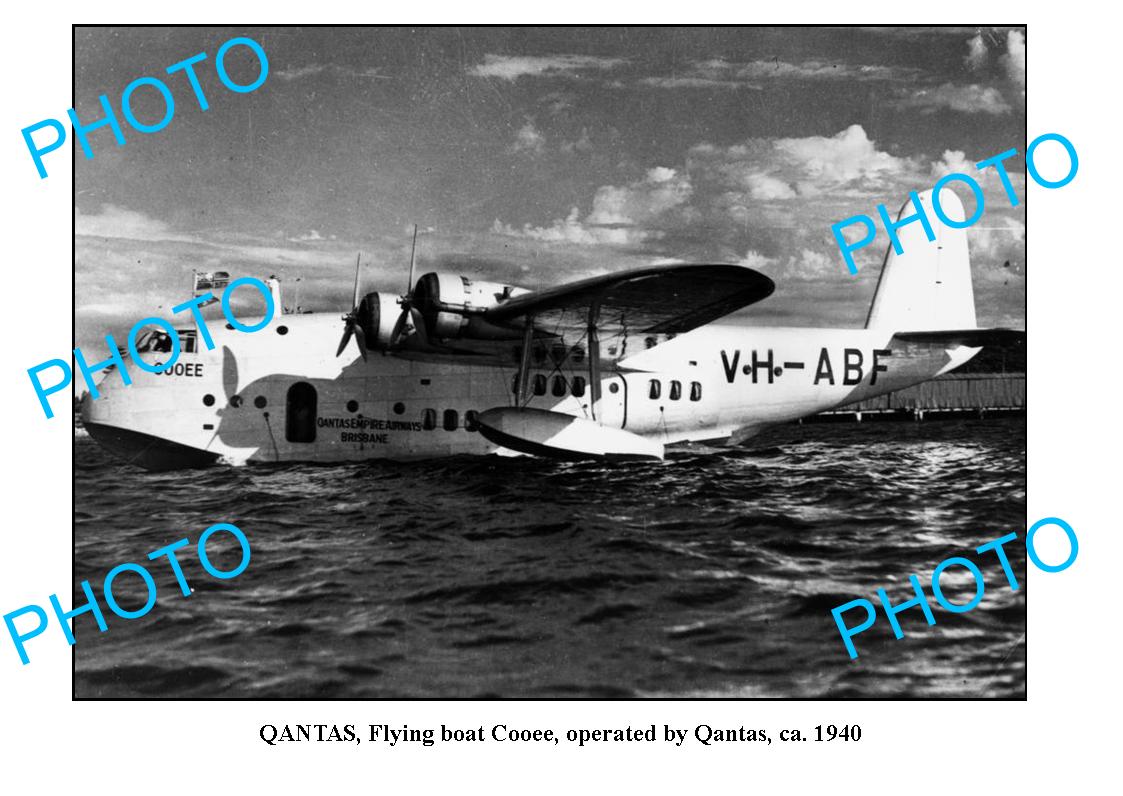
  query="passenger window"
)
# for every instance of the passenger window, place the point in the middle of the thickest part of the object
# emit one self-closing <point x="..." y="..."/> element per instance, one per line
<point x="187" y="340"/>
<point x="452" y="420"/>
<point x="429" y="419"/>
<point x="559" y="386"/>
<point x="676" y="390"/>
<point x="655" y="390"/>
<point x="696" y="391"/>
<point x="471" y="420"/>
<point x="578" y="386"/>
<point x="540" y="384"/>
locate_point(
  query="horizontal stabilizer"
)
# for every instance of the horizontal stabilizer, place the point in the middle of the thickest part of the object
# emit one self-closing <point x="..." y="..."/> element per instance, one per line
<point x="974" y="338"/>
<point x="560" y="436"/>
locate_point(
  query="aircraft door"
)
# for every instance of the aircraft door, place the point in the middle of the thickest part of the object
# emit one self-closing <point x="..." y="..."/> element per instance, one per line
<point x="612" y="409"/>
<point x="300" y="413"/>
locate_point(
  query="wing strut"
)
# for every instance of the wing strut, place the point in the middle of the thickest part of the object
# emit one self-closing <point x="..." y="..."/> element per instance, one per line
<point x="524" y="367"/>
<point x="594" y="356"/>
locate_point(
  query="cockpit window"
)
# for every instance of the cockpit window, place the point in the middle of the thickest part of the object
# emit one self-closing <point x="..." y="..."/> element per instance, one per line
<point x="154" y="340"/>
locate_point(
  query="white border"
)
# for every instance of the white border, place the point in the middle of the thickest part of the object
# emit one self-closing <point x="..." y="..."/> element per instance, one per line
<point x="1058" y="739"/>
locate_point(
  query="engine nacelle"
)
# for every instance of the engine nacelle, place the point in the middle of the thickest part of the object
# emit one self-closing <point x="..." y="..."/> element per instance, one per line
<point x="449" y="305"/>
<point x="377" y="315"/>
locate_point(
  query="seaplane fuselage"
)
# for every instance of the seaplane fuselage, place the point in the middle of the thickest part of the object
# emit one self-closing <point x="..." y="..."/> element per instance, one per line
<point x="280" y="395"/>
<point x="619" y="365"/>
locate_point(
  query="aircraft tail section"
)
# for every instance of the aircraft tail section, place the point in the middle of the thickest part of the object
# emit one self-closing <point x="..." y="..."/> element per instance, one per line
<point x="928" y="286"/>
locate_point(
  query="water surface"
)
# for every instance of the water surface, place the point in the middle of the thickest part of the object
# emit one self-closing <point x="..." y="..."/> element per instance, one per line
<point x="711" y="574"/>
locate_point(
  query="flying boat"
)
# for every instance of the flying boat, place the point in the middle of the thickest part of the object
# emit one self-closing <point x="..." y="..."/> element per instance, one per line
<point x="619" y="366"/>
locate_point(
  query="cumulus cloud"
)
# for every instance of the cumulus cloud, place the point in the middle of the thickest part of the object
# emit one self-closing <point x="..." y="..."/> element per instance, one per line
<point x="621" y="215"/>
<point x="994" y="239"/>
<point x="954" y="161"/>
<point x="847" y="156"/>
<point x="811" y="264"/>
<point x="1014" y="61"/>
<point x="766" y="187"/>
<point x="769" y="203"/>
<point x="512" y="67"/>
<point x="582" y="144"/>
<point x="660" y="190"/>
<point x="965" y="99"/>
<point x="765" y="170"/>
<point x="754" y="259"/>
<point x="977" y="53"/>
<point x="528" y="140"/>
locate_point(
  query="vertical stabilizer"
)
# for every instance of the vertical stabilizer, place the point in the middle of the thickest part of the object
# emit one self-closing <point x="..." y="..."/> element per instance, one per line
<point x="928" y="286"/>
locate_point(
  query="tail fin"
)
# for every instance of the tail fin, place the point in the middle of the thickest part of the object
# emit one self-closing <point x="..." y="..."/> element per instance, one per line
<point x="928" y="286"/>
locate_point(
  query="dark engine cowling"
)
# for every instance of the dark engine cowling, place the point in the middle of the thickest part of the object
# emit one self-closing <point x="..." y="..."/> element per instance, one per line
<point x="377" y="315"/>
<point x="451" y="307"/>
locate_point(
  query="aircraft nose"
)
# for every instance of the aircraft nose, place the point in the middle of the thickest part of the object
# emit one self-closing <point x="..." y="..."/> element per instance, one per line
<point x="92" y="411"/>
<point x="99" y="410"/>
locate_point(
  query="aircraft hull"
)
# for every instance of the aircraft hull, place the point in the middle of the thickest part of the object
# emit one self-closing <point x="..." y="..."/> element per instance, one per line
<point x="282" y="396"/>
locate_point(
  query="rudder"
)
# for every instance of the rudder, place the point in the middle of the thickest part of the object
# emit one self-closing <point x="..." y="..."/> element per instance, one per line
<point x="928" y="286"/>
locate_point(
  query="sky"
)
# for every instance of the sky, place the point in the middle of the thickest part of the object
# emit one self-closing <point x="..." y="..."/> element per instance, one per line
<point x="534" y="156"/>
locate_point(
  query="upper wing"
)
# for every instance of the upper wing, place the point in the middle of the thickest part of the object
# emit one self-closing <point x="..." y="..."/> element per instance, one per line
<point x="660" y="301"/>
<point x="668" y="299"/>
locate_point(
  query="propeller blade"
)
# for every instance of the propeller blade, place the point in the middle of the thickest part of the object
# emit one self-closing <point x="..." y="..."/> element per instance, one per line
<point x="419" y="325"/>
<point x="346" y="338"/>
<point x="361" y="340"/>
<point x="358" y="257"/>
<point x="399" y="327"/>
<point x="412" y="252"/>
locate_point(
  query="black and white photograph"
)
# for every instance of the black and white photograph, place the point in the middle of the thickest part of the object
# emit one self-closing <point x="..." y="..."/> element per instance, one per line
<point x="551" y="362"/>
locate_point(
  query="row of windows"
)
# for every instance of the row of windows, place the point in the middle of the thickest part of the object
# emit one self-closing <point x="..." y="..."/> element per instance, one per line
<point x="450" y="420"/>
<point x="301" y="406"/>
<point x="655" y="390"/>
<point x="559" y="386"/>
<point x="236" y="401"/>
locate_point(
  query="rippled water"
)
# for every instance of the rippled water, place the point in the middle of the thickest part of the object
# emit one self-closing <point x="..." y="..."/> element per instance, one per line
<point x="709" y="575"/>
